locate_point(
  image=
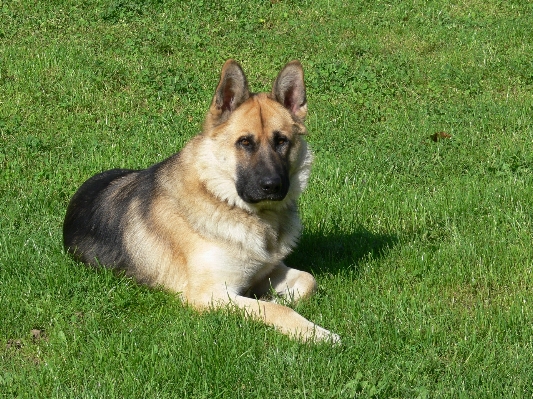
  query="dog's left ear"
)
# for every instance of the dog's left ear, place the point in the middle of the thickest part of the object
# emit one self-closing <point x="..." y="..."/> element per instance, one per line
<point x="289" y="89"/>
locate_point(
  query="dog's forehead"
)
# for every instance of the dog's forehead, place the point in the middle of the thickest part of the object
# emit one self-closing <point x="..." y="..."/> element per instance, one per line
<point x="262" y="116"/>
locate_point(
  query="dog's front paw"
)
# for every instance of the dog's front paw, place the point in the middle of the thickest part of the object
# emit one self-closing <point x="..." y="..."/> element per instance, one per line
<point x="320" y="334"/>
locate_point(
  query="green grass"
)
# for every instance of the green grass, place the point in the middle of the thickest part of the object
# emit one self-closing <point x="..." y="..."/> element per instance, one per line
<point x="422" y="250"/>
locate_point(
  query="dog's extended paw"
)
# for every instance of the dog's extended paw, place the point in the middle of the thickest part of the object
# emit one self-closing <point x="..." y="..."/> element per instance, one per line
<point x="334" y="339"/>
<point x="319" y="334"/>
<point x="328" y="336"/>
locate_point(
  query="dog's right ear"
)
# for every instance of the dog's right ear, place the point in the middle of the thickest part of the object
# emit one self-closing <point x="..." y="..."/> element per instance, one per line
<point x="232" y="91"/>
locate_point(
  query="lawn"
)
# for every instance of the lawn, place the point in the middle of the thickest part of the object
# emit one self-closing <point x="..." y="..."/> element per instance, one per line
<point x="418" y="217"/>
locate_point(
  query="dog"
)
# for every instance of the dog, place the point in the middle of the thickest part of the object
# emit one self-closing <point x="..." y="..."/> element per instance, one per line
<point x="214" y="221"/>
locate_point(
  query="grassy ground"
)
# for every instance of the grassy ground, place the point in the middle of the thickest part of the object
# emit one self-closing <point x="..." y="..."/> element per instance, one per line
<point x="422" y="249"/>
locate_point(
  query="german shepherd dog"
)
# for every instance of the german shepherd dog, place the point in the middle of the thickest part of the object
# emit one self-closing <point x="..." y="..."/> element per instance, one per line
<point x="213" y="222"/>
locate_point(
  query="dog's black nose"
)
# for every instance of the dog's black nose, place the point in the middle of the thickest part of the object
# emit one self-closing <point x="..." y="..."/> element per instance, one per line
<point x="271" y="185"/>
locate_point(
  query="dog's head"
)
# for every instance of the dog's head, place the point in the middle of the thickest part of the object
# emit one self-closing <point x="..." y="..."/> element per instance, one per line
<point x="257" y="139"/>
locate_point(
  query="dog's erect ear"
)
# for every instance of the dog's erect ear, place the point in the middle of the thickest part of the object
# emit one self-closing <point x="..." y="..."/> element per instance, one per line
<point x="289" y="89"/>
<point x="232" y="91"/>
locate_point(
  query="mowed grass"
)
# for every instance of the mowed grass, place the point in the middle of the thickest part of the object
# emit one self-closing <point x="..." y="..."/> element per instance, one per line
<point x="422" y="249"/>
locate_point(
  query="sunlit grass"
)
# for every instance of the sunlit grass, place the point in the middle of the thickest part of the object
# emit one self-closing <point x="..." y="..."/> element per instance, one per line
<point x="422" y="249"/>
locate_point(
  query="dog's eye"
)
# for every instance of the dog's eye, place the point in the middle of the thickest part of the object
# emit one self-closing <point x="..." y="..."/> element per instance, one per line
<point x="245" y="142"/>
<point x="280" y="140"/>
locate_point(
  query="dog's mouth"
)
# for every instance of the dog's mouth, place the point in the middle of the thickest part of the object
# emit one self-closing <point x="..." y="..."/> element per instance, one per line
<point x="250" y="200"/>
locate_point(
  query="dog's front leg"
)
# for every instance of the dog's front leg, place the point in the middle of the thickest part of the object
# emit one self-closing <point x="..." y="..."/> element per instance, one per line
<point x="284" y="319"/>
<point x="281" y="317"/>
<point x="290" y="284"/>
